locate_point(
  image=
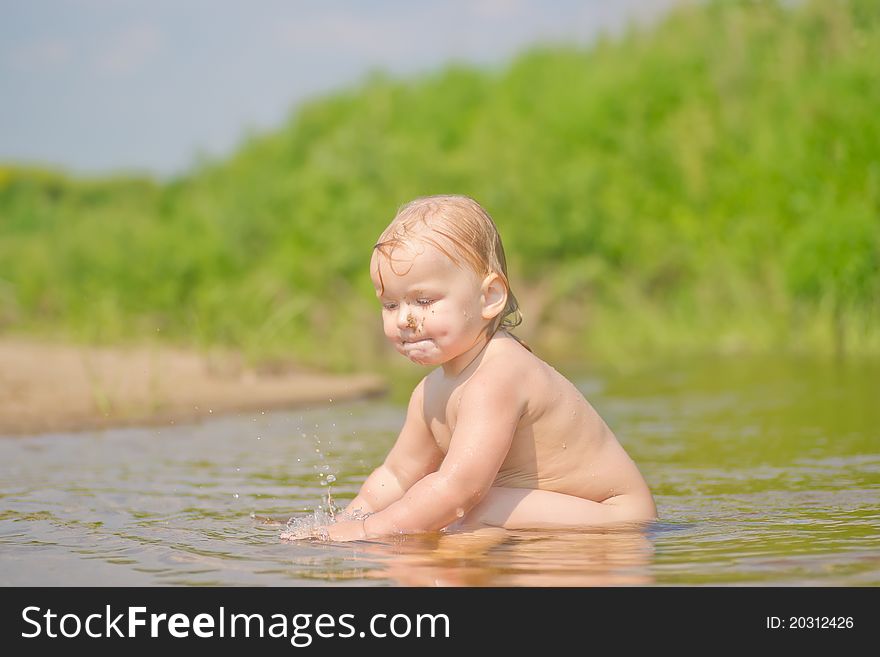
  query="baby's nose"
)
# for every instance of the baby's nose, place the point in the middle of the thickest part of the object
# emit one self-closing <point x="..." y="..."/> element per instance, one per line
<point x="405" y="317"/>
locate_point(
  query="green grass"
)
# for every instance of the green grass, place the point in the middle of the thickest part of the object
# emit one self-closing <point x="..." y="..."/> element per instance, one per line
<point x="711" y="183"/>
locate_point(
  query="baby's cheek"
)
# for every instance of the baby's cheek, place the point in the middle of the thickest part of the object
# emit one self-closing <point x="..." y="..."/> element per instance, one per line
<point x="426" y="326"/>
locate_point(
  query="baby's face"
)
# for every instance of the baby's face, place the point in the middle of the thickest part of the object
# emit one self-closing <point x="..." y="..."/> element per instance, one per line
<point x="431" y="308"/>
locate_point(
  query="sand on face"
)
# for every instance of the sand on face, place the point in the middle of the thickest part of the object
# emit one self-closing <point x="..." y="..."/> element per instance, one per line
<point x="54" y="387"/>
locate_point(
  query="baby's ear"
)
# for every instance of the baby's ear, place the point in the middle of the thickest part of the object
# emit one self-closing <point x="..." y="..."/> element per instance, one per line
<point x="493" y="296"/>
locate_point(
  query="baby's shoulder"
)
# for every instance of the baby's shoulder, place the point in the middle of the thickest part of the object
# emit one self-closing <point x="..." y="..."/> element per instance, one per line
<point x="509" y="365"/>
<point x="508" y="350"/>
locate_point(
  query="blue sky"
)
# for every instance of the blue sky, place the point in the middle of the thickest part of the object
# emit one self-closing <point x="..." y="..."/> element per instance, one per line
<point x="94" y="86"/>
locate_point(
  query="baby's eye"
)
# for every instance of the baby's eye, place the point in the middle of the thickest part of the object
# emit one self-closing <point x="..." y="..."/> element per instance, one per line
<point x="424" y="302"/>
<point x="389" y="306"/>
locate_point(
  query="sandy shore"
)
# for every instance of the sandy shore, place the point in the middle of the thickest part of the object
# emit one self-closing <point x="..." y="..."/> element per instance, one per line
<point x="49" y="387"/>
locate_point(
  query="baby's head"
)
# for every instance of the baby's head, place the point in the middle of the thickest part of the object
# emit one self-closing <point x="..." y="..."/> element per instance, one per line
<point x="440" y="271"/>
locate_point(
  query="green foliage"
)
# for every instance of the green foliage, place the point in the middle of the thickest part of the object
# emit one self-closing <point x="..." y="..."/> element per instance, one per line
<point x="706" y="182"/>
<point x="836" y="255"/>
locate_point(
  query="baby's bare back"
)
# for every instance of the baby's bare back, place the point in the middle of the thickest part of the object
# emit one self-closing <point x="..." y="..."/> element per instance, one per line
<point x="561" y="444"/>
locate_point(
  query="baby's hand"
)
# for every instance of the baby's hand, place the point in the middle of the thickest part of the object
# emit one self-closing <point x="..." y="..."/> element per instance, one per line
<point x="301" y="533"/>
<point x="348" y="530"/>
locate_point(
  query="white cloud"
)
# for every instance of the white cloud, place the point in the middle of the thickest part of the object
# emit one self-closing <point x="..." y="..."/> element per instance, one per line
<point x="497" y="8"/>
<point x="41" y="56"/>
<point x="129" y="50"/>
<point x="373" y="36"/>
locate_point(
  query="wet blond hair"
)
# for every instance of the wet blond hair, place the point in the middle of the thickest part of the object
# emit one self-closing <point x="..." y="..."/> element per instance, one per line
<point x="463" y="231"/>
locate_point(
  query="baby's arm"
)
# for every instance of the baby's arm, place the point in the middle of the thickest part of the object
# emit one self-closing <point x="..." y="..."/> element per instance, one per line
<point x="490" y="410"/>
<point x="414" y="455"/>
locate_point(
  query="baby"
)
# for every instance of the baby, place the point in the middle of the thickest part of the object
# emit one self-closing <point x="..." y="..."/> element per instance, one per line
<point x="494" y="436"/>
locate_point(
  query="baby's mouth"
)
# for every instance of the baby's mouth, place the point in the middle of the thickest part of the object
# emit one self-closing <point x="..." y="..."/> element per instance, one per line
<point x="414" y="340"/>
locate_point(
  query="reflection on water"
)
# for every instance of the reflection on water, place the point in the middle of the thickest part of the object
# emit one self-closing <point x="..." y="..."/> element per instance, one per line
<point x="764" y="473"/>
<point x="495" y="557"/>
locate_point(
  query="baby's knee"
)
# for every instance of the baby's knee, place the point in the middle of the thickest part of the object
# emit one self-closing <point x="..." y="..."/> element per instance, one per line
<point x="492" y="510"/>
<point x="633" y="508"/>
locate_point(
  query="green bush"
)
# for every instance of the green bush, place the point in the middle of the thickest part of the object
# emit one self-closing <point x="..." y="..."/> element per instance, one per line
<point x="711" y="182"/>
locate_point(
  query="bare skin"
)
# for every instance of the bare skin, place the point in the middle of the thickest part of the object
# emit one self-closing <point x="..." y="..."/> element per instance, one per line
<point x="494" y="436"/>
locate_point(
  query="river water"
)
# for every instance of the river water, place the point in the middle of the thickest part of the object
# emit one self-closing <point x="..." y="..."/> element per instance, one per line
<point x="765" y="472"/>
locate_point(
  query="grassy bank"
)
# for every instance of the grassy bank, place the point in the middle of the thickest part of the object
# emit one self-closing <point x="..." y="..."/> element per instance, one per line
<point x="711" y="183"/>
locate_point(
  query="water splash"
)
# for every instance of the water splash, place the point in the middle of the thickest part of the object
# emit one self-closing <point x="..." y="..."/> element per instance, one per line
<point x="314" y="525"/>
<point x="309" y="526"/>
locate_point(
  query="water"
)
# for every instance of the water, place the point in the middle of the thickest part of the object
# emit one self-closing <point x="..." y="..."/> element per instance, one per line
<point x="764" y="472"/>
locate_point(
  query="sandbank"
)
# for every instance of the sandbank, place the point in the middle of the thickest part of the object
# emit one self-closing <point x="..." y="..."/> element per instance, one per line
<point x="48" y="387"/>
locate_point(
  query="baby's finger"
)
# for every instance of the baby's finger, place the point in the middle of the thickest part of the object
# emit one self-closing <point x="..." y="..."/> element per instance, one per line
<point x="294" y="535"/>
<point x="301" y="533"/>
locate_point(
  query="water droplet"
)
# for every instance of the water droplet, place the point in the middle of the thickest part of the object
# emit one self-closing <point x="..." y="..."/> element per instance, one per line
<point x="238" y="469"/>
<point x="459" y="512"/>
<point x="258" y="438"/>
<point x="563" y="445"/>
<point x="331" y="399"/>
<point x="235" y="495"/>
<point x="210" y="410"/>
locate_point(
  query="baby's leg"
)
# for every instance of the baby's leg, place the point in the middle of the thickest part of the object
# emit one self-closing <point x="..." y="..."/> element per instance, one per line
<point x="525" y="508"/>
